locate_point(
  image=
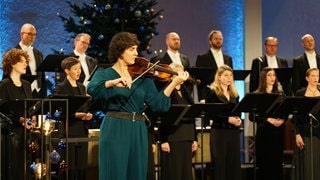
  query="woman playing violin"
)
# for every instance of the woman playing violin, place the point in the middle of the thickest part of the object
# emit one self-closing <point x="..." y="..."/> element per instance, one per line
<point x="123" y="144"/>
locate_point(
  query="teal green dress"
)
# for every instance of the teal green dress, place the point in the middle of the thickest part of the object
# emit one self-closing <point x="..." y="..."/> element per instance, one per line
<point x="123" y="144"/>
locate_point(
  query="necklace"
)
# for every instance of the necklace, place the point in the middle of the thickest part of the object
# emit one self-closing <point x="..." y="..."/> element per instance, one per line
<point x="314" y="92"/>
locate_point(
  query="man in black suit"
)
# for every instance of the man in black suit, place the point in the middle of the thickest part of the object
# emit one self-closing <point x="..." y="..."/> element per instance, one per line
<point x="172" y="55"/>
<point x="88" y="64"/>
<point x="270" y="59"/>
<point x="214" y="58"/>
<point x="28" y="34"/>
<point x="309" y="59"/>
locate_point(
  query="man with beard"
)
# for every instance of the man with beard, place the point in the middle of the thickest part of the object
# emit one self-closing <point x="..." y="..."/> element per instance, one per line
<point x="172" y="55"/>
<point x="214" y="58"/>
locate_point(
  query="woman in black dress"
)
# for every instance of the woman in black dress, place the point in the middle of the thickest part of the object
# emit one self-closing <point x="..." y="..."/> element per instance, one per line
<point x="270" y="132"/>
<point x="303" y="134"/>
<point x="178" y="142"/>
<point x="224" y="135"/>
<point x="14" y="64"/>
<point x="78" y="152"/>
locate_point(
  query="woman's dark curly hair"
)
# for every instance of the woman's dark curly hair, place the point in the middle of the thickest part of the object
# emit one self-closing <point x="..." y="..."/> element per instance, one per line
<point x="119" y="43"/>
<point x="12" y="57"/>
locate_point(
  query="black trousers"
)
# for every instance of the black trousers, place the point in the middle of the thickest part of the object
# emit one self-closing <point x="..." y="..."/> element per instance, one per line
<point x="177" y="165"/>
<point x="225" y="154"/>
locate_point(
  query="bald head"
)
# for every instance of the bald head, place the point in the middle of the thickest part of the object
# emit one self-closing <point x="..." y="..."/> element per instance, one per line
<point x="28" y="34"/>
<point x="27" y="27"/>
<point x="173" y="42"/>
<point x="306" y="36"/>
<point x="308" y="43"/>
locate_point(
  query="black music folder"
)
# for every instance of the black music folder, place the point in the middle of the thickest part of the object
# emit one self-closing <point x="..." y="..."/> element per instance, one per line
<point x="52" y="63"/>
<point x="295" y="105"/>
<point x="208" y="109"/>
<point x="174" y="115"/>
<point x="16" y="108"/>
<point x="203" y="73"/>
<point x="241" y="74"/>
<point x="257" y="103"/>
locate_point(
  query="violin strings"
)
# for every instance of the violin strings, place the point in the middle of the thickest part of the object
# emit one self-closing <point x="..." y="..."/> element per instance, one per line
<point x="153" y="65"/>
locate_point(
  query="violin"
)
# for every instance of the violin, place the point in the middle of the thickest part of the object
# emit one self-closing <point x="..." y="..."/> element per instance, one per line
<point x="161" y="72"/>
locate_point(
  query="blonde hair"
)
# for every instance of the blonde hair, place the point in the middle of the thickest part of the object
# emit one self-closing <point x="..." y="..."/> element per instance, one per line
<point x="216" y="85"/>
<point x="308" y="72"/>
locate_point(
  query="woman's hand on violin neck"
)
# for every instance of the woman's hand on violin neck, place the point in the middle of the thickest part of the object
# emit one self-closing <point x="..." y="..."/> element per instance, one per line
<point x="120" y="82"/>
<point x="181" y="77"/>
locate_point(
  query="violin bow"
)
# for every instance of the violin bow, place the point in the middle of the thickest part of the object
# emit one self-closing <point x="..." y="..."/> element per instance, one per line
<point x="147" y="70"/>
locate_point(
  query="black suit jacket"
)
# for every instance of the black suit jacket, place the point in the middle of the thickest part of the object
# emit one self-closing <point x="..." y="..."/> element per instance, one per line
<point x="77" y="127"/>
<point x="207" y="60"/>
<point x="8" y="90"/>
<point x="165" y="59"/>
<point x="258" y="64"/>
<point x="300" y="67"/>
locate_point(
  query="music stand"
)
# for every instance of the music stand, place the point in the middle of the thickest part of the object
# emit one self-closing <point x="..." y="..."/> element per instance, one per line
<point x="52" y="63"/>
<point x="256" y="103"/>
<point x="13" y="109"/>
<point x="302" y="105"/>
<point x="241" y="74"/>
<point x="284" y="76"/>
<point x="205" y="75"/>
<point x="201" y="72"/>
<point x="174" y="115"/>
<point x="172" y="118"/>
<point x="74" y="103"/>
<point x="5" y="122"/>
<point x="203" y="110"/>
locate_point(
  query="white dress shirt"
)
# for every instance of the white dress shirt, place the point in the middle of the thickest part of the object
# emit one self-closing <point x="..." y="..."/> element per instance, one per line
<point x="218" y="56"/>
<point x="84" y="66"/>
<point x="272" y="61"/>
<point x="32" y="65"/>
<point x="312" y="60"/>
<point x="175" y="57"/>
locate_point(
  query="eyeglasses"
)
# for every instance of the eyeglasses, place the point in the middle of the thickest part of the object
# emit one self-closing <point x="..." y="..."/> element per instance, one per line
<point x="30" y="34"/>
<point x="83" y="42"/>
<point x="271" y="45"/>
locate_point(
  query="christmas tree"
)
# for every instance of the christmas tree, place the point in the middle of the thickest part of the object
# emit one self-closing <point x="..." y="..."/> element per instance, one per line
<point x="104" y="18"/>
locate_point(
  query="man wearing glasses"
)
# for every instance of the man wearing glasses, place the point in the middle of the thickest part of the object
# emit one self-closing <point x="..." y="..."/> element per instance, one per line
<point x="28" y="35"/>
<point x="88" y="64"/>
<point x="270" y="59"/>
